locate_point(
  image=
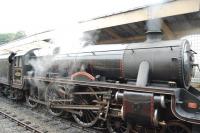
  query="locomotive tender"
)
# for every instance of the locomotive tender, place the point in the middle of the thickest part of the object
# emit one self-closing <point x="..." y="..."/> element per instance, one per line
<point x="125" y="85"/>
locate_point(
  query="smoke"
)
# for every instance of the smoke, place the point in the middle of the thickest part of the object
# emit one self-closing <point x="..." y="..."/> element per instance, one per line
<point x="41" y="65"/>
<point x="73" y="39"/>
<point x="90" y="38"/>
<point x="154" y="23"/>
<point x="56" y="61"/>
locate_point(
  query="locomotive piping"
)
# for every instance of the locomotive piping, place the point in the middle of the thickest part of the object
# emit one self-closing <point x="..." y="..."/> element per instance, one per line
<point x="154" y="32"/>
<point x="121" y="67"/>
<point x="160" y="100"/>
<point x="143" y="74"/>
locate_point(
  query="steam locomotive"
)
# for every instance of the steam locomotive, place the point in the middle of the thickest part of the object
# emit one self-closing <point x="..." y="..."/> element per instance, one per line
<point x="136" y="87"/>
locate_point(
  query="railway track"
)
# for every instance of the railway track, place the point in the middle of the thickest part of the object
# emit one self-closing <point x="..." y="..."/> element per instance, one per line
<point x="18" y="118"/>
<point x="25" y="124"/>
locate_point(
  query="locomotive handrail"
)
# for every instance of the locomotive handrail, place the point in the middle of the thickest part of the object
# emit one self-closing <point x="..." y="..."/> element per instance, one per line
<point x="193" y="52"/>
<point x="132" y="49"/>
<point x="101" y="51"/>
<point x="170" y="91"/>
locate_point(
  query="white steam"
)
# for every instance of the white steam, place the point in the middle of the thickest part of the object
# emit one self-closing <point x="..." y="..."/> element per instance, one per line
<point x="68" y="38"/>
<point x="154" y="23"/>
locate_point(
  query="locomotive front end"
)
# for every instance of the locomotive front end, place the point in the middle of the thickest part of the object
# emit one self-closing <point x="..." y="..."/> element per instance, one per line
<point x="169" y="62"/>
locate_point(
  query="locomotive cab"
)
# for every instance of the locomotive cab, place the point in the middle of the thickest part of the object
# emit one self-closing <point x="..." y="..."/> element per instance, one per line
<point x="17" y="72"/>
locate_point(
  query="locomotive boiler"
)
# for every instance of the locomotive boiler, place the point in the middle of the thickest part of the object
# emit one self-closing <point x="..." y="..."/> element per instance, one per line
<point x="158" y="62"/>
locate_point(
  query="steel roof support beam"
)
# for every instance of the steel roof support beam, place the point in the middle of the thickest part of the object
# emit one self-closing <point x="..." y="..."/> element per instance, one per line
<point x="124" y="40"/>
<point x="112" y="33"/>
<point x="167" y="31"/>
<point x="175" y="35"/>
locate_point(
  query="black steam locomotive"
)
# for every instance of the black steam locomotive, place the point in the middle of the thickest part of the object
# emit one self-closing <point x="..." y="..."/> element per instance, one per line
<point x="137" y="87"/>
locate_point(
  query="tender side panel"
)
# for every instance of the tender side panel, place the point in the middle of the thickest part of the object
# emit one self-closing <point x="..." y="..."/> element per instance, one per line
<point x="4" y="71"/>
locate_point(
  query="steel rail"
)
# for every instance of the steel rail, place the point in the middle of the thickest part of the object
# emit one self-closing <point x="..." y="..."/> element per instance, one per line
<point x="70" y="122"/>
<point x="28" y="127"/>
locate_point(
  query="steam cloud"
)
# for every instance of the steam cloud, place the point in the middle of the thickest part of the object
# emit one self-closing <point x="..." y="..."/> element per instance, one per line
<point x="154" y="23"/>
<point x="55" y="65"/>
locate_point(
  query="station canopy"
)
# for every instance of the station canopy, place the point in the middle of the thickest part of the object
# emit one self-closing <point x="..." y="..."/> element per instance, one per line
<point x="178" y="18"/>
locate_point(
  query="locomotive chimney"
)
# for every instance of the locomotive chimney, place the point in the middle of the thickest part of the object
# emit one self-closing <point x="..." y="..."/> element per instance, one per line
<point x="154" y="32"/>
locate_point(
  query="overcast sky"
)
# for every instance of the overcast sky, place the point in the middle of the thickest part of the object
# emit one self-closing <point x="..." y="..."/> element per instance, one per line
<point x="34" y="16"/>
